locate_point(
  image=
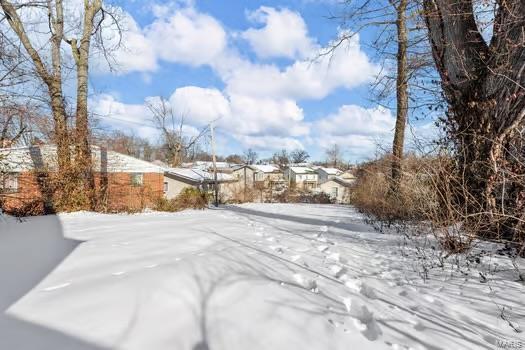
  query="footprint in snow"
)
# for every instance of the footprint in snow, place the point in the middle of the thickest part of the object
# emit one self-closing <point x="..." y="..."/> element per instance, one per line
<point x="395" y="346"/>
<point x="338" y="271"/>
<point x="58" y="286"/>
<point x="294" y="258"/>
<point x="305" y="282"/>
<point x="364" y="319"/>
<point x="337" y="258"/>
<point x="322" y="248"/>
<point x="362" y="288"/>
<point x="403" y="293"/>
<point x="277" y="249"/>
<point x="334" y="323"/>
<point x="302" y="249"/>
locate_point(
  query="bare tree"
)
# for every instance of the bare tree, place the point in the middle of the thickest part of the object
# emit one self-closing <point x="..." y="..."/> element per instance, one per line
<point x="173" y="131"/>
<point x="299" y="156"/>
<point x="334" y="155"/>
<point x="400" y="39"/>
<point x="50" y="73"/>
<point x="235" y="159"/>
<point x="250" y="156"/>
<point x="281" y="158"/>
<point x="15" y="123"/>
<point x="483" y="82"/>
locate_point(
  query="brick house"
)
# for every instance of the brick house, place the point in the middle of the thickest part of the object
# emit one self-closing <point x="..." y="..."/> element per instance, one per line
<point x="129" y="183"/>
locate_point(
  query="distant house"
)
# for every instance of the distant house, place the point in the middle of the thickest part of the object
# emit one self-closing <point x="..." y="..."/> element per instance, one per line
<point x="326" y="174"/>
<point x="245" y="174"/>
<point x="337" y="188"/>
<point x="302" y="177"/>
<point x="121" y="181"/>
<point x="258" y="173"/>
<point x="268" y="173"/>
<point x="177" y="179"/>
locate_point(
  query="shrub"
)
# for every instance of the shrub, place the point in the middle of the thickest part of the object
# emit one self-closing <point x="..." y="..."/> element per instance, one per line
<point x="241" y="195"/>
<point x="315" y="198"/>
<point x="189" y="198"/>
<point x="413" y="201"/>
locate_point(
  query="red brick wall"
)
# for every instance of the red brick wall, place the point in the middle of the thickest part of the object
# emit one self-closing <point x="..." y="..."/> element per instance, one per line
<point x="28" y="192"/>
<point x="120" y="194"/>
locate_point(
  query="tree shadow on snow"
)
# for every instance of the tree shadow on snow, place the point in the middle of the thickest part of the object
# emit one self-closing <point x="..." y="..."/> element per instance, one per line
<point x="356" y="227"/>
<point x="29" y="250"/>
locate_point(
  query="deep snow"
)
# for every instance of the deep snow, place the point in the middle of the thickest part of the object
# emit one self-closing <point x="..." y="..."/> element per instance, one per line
<point x="256" y="276"/>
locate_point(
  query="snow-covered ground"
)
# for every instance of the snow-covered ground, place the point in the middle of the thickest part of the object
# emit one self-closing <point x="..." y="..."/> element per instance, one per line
<point x="256" y="276"/>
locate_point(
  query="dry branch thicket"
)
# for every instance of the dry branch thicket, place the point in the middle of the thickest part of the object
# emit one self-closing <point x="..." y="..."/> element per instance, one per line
<point x="483" y="84"/>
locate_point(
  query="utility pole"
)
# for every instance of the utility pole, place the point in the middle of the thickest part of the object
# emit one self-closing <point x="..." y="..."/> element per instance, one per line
<point x="214" y="159"/>
<point x="245" y="165"/>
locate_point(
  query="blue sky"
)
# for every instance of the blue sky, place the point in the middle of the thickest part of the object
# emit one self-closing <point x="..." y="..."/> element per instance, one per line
<point x="249" y="65"/>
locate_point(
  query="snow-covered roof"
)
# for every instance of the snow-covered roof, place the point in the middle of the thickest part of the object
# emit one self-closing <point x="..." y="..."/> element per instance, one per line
<point x="331" y="171"/>
<point x="23" y="159"/>
<point x="344" y="182"/>
<point x="205" y="165"/>
<point x="301" y="170"/>
<point x="199" y="176"/>
<point x="265" y="168"/>
<point x="300" y="165"/>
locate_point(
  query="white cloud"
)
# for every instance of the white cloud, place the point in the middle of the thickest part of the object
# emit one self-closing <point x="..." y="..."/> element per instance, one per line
<point x="238" y="113"/>
<point x="357" y="130"/>
<point x="123" y="116"/>
<point x="136" y="52"/>
<point x="305" y="79"/>
<point x="200" y="105"/>
<point x="284" y="34"/>
<point x="356" y="120"/>
<point x="187" y="36"/>
<point x="266" y="116"/>
<point x="268" y="143"/>
<point x="258" y="106"/>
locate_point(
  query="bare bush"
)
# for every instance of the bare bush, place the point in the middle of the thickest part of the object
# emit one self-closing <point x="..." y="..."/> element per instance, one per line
<point x="189" y="198"/>
<point x="372" y="193"/>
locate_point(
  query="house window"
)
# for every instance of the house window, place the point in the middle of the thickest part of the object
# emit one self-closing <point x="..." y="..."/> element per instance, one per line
<point x="8" y="183"/>
<point x="166" y="187"/>
<point x="335" y="192"/>
<point x="137" y="179"/>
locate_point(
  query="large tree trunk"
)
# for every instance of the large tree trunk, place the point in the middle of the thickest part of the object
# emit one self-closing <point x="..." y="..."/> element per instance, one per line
<point x="81" y="56"/>
<point x="401" y="95"/>
<point x="484" y="87"/>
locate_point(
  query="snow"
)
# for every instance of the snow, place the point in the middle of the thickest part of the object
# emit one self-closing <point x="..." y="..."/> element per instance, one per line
<point x="199" y="175"/>
<point x="253" y="276"/>
<point x="22" y="159"/>
<point x="332" y="171"/>
<point x="302" y="170"/>
<point x="265" y="168"/>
